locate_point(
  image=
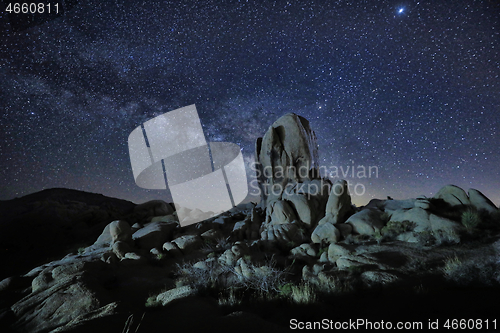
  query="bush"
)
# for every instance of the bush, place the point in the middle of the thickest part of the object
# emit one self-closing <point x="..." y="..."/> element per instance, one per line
<point x="484" y="270"/>
<point x="303" y="294"/>
<point x="471" y="219"/>
<point x="425" y="238"/>
<point x="393" y="229"/>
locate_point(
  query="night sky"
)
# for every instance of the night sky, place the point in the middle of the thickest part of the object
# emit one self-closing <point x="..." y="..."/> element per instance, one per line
<point x="411" y="87"/>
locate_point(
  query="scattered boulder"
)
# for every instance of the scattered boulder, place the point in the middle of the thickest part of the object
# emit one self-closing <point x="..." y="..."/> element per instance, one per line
<point x="212" y="235"/>
<point x="336" y="251"/>
<point x="121" y="249"/>
<point x="366" y="222"/>
<point x="188" y="243"/>
<point x="282" y="233"/>
<point x="174" y="294"/>
<point x="303" y="251"/>
<point x="171" y="250"/>
<point x="325" y="233"/>
<point x="339" y="205"/>
<point x="120" y="231"/>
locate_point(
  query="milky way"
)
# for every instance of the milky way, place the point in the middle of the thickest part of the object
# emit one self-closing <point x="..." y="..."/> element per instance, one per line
<point x="411" y="88"/>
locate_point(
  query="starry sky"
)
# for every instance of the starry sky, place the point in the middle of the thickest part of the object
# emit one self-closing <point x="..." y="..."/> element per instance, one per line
<point x="411" y="87"/>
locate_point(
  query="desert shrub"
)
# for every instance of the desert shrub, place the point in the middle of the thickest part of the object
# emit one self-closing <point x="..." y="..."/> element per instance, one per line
<point x="322" y="250"/>
<point x="333" y="284"/>
<point x="471" y="219"/>
<point x="215" y="277"/>
<point x="216" y="245"/>
<point x="484" y="270"/>
<point x="266" y="278"/>
<point x="446" y="237"/>
<point x="378" y="237"/>
<point x="425" y="238"/>
<point x="393" y="229"/>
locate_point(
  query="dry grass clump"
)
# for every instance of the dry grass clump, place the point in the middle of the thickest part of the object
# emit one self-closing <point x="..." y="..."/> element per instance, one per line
<point x="481" y="270"/>
<point x="229" y="284"/>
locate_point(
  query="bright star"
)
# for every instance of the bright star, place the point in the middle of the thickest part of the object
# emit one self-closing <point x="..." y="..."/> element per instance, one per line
<point x="401" y="10"/>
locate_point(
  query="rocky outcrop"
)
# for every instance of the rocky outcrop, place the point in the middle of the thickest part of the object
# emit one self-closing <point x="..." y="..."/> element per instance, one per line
<point x="453" y="196"/>
<point x="287" y="154"/>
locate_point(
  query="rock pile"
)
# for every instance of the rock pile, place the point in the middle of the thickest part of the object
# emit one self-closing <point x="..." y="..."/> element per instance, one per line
<point x="304" y="222"/>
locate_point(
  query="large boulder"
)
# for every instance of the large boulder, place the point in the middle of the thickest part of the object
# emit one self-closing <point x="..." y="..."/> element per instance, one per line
<point x="481" y="202"/>
<point x="339" y="204"/>
<point x="120" y="231"/>
<point x="286" y="233"/>
<point x="286" y="154"/>
<point x="366" y="222"/>
<point x="325" y="233"/>
<point x="116" y="231"/>
<point x="452" y="195"/>
<point x="308" y="199"/>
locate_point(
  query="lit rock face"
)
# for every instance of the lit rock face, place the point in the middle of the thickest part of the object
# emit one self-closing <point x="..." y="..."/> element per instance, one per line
<point x="287" y="154"/>
<point x="292" y="191"/>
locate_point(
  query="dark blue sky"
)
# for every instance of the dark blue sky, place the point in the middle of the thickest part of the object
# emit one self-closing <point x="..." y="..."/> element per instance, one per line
<point x="411" y="87"/>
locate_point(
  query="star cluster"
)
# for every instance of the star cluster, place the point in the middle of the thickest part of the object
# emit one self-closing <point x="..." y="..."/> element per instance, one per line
<point x="410" y="88"/>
